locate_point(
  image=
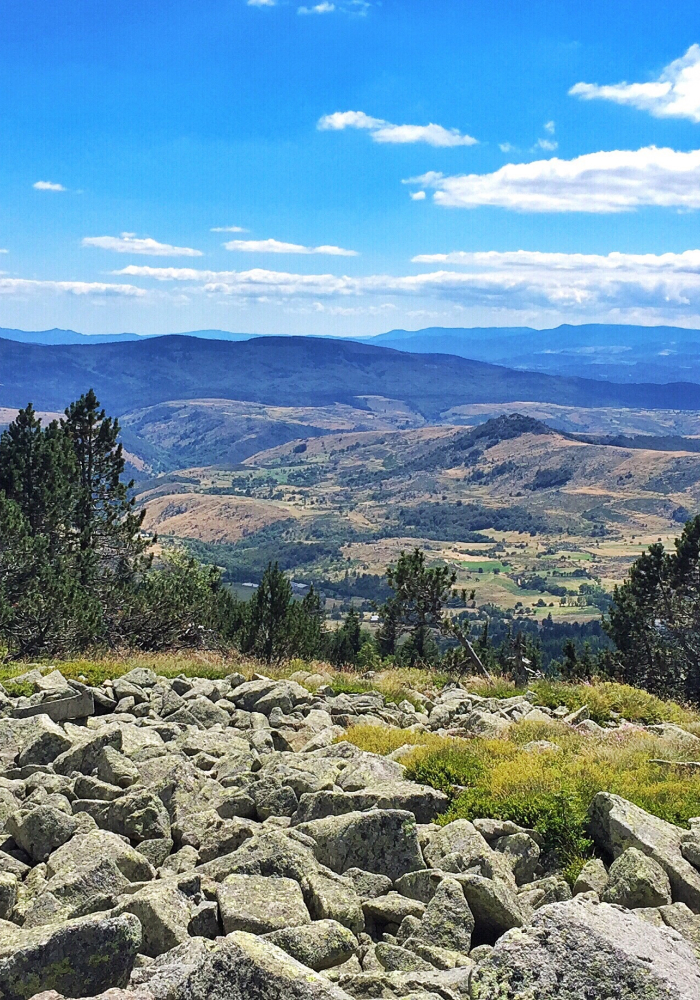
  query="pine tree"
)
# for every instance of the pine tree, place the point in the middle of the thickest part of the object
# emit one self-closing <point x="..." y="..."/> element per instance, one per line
<point x="267" y="632"/>
<point x="416" y="608"/>
<point x="37" y="468"/>
<point x="108" y="526"/>
<point x="654" y="619"/>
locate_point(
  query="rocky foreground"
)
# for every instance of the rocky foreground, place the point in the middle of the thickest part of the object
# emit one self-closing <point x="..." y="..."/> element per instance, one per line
<point x="189" y="839"/>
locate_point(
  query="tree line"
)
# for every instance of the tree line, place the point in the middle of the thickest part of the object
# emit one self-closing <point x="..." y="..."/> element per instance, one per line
<point x="77" y="571"/>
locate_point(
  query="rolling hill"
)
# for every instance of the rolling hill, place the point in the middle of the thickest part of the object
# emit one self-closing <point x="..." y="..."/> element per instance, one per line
<point x="298" y="371"/>
<point x="516" y="507"/>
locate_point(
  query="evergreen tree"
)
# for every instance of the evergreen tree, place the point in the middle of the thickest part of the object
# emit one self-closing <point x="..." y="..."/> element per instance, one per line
<point x="654" y="619"/>
<point x="108" y="526"/>
<point x="416" y="608"/>
<point x="267" y="632"/>
<point x="37" y="469"/>
<point x="347" y="640"/>
<point x="306" y="627"/>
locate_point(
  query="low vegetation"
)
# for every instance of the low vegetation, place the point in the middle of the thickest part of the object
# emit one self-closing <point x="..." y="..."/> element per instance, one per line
<point x="549" y="790"/>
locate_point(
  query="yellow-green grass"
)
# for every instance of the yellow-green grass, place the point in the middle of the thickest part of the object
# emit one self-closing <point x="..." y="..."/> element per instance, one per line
<point x="396" y="684"/>
<point x="547" y="790"/>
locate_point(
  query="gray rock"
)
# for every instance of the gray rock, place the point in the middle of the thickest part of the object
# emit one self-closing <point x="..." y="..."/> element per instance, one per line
<point x="394" y="958"/>
<point x="582" y="949"/>
<point x="92" y="788"/>
<point x="115" y="768"/>
<point x="224" y="838"/>
<point x="381" y="841"/>
<point x="259" y="905"/>
<point x="163" y="977"/>
<point x="8" y="894"/>
<point x="156" y="851"/>
<point x="321" y="945"/>
<point x="392" y="908"/>
<point x="333" y="897"/>
<point x="270" y="853"/>
<point x="245" y="967"/>
<point x="592" y="878"/>
<point x="138" y="815"/>
<point x="76" y="892"/>
<point x="420" y="885"/>
<point x="43" y="743"/>
<point x="522" y="854"/>
<point x="448" y="921"/>
<point x="458" y="847"/>
<point x="77" y="958"/>
<point x="494" y="905"/>
<point x="367" y="884"/>
<point x="164" y="913"/>
<point x="85" y="756"/>
<point x="635" y="880"/>
<point x="87" y="851"/>
<point x="41" y="831"/>
<point x="617" y="824"/>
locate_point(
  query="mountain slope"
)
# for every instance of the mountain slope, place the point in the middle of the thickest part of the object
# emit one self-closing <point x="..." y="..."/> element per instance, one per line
<point x="292" y="372"/>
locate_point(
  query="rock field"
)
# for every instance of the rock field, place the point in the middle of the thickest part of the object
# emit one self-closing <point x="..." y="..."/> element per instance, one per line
<point x="190" y="839"/>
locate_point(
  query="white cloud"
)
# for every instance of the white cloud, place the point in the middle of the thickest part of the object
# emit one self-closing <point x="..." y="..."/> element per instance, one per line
<point x="4" y="251"/>
<point x="47" y="186"/>
<point x="617" y="285"/>
<point x="129" y="243"/>
<point x="255" y="283"/>
<point x="319" y="8"/>
<point x="262" y="3"/>
<point x="228" y="229"/>
<point x="507" y="147"/>
<point x="386" y="132"/>
<point x="614" y="181"/>
<point x="15" y="286"/>
<point x="550" y="127"/>
<point x="547" y="144"/>
<point x="418" y="195"/>
<point x="275" y="246"/>
<point x="675" y="94"/>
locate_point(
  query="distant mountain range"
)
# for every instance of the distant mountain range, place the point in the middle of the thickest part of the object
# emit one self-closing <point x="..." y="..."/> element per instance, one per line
<point x="57" y="336"/>
<point x="616" y="353"/>
<point x="295" y="371"/>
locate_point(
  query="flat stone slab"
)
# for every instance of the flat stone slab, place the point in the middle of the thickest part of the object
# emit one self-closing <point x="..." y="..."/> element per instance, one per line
<point x="78" y="706"/>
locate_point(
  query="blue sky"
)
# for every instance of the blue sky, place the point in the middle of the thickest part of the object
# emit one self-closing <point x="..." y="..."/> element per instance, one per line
<point x="348" y="167"/>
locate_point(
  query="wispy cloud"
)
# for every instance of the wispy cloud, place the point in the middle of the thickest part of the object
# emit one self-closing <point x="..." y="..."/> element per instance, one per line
<point x="674" y="94"/>
<point x="319" y="8"/>
<point x="228" y="229"/>
<point x="130" y="243"/>
<point x="262" y="3"/>
<point x="275" y="246"/>
<point x="614" y="181"/>
<point x="418" y="195"/>
<point x="47" y="186"/>
<point x="616" y="285"/>
<point x="386" y="132"/>
<point x="23" y="286"/>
